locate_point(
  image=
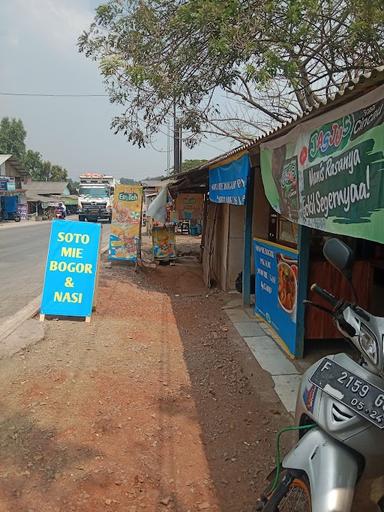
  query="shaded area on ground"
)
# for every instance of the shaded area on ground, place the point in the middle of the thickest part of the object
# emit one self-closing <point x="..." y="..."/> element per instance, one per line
<point x="156" y="405"/>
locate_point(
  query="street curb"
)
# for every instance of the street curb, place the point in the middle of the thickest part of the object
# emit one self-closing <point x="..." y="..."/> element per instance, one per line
<point x="27" y="312"/>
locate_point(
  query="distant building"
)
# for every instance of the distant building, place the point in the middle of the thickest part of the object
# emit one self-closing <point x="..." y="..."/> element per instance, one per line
<point x="12" y="176"/>
<point x="44" y="195"/>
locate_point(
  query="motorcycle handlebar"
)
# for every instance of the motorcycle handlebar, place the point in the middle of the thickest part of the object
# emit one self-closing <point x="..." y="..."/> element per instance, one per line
<point x="324" y="294"/>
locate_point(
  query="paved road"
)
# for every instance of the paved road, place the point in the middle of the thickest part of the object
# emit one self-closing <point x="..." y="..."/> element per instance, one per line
<point x="23" y="251"/>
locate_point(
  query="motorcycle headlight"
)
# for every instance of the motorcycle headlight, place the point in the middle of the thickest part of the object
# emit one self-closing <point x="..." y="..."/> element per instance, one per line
<point x="368" y="343"/>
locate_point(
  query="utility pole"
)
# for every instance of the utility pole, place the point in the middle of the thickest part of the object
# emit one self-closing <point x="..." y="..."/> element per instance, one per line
<point x="168" y="148"/>
<point x="177" y="142"/>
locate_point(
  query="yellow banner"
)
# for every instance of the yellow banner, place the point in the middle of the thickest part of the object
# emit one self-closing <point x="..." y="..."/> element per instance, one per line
<point x="125" y="234"/>
<point x="164" y="243"/>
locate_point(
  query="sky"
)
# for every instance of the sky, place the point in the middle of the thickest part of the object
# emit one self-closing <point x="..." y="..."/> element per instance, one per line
<point x="38" y="54"/>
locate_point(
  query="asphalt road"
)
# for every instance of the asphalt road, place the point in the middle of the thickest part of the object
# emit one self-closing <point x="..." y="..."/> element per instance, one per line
<point x="23" y="251"/>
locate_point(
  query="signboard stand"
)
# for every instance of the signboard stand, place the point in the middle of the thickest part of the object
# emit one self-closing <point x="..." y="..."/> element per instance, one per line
<point x="125" y="236"/>
<point x="276" y="289"/>
<point x="72" y="270"/>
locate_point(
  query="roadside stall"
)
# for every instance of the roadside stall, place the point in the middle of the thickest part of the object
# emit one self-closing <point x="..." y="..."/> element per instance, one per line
<point x="323" y="178"/>
<point x="189" y="213"/>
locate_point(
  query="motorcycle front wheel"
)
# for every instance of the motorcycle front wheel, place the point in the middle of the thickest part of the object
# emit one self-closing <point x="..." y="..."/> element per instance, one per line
<point x="291" y="495"/>
<point x="297" y="498"/>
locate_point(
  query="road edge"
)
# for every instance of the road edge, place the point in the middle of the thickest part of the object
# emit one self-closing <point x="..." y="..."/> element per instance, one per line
<point x="30" y="310"/>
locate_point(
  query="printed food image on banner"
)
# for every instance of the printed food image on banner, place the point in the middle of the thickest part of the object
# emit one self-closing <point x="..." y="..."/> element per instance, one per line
<point x="164" y="242"/>
<point x="276" y="288"/>
<point x="124" y="239"/>
<point x="328" y="173"/>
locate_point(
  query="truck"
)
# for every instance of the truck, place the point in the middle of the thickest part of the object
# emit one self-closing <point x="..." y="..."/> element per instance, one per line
<point x="95" y="197"/>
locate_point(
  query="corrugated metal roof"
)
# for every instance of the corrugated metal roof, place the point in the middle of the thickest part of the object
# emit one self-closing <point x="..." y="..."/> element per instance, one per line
<point x="360" y="85"/>
<point x="45" y="187"/>
<point x="154" y="183"/>
<point x="35" y="198"/>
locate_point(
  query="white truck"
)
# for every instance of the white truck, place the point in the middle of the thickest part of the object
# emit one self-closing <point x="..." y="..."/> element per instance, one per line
<point x="95" y="197"/>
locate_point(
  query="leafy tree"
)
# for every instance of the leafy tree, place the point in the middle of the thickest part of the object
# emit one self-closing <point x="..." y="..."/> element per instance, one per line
<point x="33" y="163"/>
<point x="191" y="164"/>
<point x="128" y="181"/>
<point x="58" y="173"/>
<point x="12" y="137"/>
<point x="43" y="170"/>
<point x="73" y="186"/>
<point x="232" y="67"/>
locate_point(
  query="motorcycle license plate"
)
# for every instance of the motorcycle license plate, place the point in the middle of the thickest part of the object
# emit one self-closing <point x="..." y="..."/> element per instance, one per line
<point x="351" y="390"/>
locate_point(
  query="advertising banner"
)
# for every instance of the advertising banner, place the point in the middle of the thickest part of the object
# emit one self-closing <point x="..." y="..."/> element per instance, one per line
<point x="190" y="207"/>
<point x="228" y="183"/>
<point x="124" y="240"/>
<point x="327" y="173"/>
<point x="164" y="242"/>
<point x="276" y="270"/>
<point x="71" y="268"/>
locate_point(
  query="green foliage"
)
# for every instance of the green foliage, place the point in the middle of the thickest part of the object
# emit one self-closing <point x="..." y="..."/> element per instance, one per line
<point x="128" y="181"/>
<point x="187" y="165"/>
<point x="73" y="186"/>
<point x="12" y="137"/>
<point x="33" y="163"/>
<point x="275" y="58"/>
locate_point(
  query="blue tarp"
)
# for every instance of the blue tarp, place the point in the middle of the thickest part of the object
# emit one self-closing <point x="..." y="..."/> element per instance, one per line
<point x="228" y="183"/>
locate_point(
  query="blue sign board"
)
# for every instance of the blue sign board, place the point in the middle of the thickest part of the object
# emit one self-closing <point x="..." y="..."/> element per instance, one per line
<point x="276" y="270"/>
<point x="71" y="268"/>
<point x="228" y="183"/>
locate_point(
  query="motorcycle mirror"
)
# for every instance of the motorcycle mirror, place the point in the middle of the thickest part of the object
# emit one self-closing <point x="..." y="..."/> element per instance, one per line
<point x="339" y="255"/>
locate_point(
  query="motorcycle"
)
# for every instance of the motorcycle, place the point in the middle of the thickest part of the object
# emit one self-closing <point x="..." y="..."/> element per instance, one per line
<point x="59" y="213"/>
<point x="339" y="413"/>
<point x="10" y="216"/>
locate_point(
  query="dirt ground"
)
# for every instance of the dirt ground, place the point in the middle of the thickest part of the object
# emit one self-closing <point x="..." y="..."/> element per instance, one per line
<point x="156" y="405"/>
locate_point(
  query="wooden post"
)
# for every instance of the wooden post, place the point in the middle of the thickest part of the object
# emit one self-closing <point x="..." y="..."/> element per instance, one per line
<point x="247" y="262"/>
<point x="303" y="246"/>
<point x="138" y="256"/>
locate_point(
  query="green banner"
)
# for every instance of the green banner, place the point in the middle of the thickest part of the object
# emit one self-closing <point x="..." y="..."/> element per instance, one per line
<point x="328" y="173"/>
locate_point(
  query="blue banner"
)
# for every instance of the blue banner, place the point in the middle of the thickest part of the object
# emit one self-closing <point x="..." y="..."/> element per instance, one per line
<point x="71" y="268"/>
<point x="276" y="269"/>
<point x="228" y="183"/>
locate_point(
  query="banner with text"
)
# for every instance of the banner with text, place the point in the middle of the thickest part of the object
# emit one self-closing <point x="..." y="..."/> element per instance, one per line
<point x="71" y="268"/>
<point x="124" y="239"/>
<point x="276" y="284"/>
<point x="327" y="173"/>
<point x="228" y="183"/>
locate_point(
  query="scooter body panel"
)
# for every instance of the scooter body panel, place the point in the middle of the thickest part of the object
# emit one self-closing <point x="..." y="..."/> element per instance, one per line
<point x="332" y="470"/>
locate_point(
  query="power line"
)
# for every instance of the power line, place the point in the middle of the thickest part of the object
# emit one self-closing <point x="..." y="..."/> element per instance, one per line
<point x="44" y="95"/>
<point x="76" y="95"/>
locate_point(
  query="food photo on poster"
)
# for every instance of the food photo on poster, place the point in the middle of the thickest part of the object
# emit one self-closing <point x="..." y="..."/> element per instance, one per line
<point x="276" y="275"/>
<point x="124" y="241"/>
